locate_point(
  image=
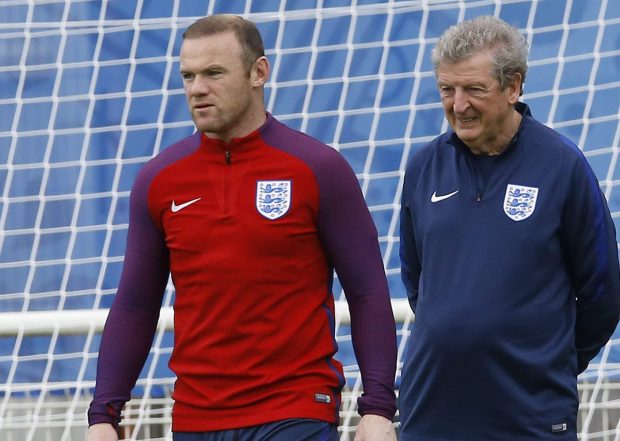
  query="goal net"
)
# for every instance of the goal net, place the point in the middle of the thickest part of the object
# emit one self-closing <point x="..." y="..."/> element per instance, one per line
<point x="90" y="90"/>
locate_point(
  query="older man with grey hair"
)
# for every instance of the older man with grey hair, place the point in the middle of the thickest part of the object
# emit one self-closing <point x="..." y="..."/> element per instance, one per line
<point x="508" y="253"/>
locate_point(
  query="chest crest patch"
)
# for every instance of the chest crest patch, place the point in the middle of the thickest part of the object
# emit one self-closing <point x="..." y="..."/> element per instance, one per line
<point x="520" y="201"/>
<point x="273" y="198"/>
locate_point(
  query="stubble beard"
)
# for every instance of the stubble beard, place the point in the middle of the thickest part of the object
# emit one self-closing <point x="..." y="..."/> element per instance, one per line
<point x="214" y="125"/>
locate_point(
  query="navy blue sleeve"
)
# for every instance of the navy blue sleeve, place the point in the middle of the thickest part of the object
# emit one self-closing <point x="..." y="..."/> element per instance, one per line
<point x="350" y="239"/>
<point x="410" y="262"/>
<point x="590" y="248"/>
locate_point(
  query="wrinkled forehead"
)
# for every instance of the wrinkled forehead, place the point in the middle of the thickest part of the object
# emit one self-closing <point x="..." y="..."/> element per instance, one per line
<point x="478" y="67"/>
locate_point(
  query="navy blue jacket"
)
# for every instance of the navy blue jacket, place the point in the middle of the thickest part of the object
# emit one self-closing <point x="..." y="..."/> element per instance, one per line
<point x="514" y="282"/>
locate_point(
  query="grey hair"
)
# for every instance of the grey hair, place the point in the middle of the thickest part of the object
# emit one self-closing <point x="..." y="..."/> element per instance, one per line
<point x="485" y="33"/>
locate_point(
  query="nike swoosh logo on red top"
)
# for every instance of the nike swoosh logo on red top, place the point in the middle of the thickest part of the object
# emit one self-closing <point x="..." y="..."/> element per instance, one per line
<point x="174" y="207"/>
<point x="435" y="198"/>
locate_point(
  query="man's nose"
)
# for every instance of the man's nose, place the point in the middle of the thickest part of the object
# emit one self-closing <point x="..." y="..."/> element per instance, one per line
<point x="461" y="101"/>
<point x="199" y="86"/>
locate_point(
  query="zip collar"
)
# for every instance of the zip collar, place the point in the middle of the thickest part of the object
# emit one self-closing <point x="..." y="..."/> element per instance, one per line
<point x="237" y="144"/>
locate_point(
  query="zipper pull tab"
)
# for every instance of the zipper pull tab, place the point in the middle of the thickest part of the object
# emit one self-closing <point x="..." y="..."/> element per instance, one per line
<point x="228" y="158"/>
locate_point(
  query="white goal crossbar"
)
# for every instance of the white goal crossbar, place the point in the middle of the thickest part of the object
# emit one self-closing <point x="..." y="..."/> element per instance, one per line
<point x="81" y="321"/>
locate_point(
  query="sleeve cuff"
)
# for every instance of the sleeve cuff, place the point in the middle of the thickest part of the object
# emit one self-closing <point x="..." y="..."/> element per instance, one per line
<point x="104" y="413"/>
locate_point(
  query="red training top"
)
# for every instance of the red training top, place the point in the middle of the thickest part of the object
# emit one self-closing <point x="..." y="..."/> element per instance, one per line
<point x="251" y="232"/>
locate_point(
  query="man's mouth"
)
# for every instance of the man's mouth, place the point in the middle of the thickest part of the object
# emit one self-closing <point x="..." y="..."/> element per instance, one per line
<point x="465" y="119"/>
<point x="202" y="106"/>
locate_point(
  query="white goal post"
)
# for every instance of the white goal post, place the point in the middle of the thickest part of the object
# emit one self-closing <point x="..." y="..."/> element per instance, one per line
<point x="90" y="91"/>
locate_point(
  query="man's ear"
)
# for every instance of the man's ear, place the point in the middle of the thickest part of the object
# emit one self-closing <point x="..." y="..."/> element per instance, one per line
<point x="515" y="88"/>
<point x="260" y="72"/>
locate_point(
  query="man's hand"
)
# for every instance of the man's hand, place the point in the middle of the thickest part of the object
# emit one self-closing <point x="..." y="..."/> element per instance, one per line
<point x="102" y="432"/>
<point x="375" y="428"/>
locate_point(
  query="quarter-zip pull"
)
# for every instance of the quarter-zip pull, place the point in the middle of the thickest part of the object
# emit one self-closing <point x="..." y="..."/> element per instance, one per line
<point x="228" y="158"/>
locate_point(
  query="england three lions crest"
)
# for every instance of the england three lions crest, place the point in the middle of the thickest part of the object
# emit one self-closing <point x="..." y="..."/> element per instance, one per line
<point x="520" y="201"/>
<point x="273" y="198"/>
